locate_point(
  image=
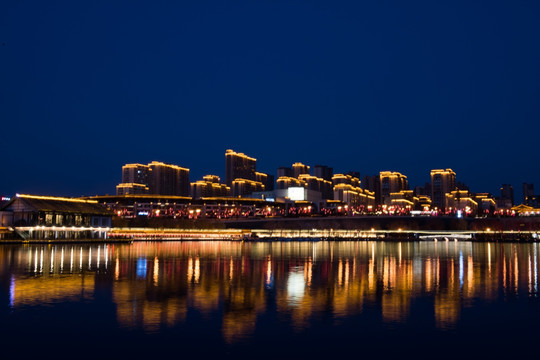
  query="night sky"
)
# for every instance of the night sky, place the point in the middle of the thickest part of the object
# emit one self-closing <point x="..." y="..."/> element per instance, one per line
<point x="365" y="86"/>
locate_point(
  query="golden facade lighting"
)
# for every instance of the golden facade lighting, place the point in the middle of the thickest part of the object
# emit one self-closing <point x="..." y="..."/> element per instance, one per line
<point x="442" y="182"/>
<point x="391" y="182"/>
<point x="230" y="152"/>
<point x="299" y="169"/>
<point x="38" y="197"/>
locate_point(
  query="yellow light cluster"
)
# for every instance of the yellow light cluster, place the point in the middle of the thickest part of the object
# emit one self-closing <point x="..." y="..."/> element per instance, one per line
<point x="462" y="195"/>
<point x="232" y="199"/>
<point x="402" y="193"/>
<point x="392" y="174"/>
<point x="38" y="197"/>
<point x="350" y="179"/>
<point x="212" y="184"/>
<point x="354" y="190"/>
<point x="141" y="196"/>
<point x="290" y="180"/>
<point x="307" y="177"/>
<point x="423" y="199"/>
<point x="176" y="167"/>
<point x="247" y="181"/>
<point x="444" y="172"/>
<point x="262" y="177"/>
<point x="212" y="178"/>
<point x="348" y="187"/>
<point x="230" y="152"/>
<point x="299" y="164"/>
<point x="402" y="201"/>
<point x="134" y="166"/>
<point x="131" y="185"/>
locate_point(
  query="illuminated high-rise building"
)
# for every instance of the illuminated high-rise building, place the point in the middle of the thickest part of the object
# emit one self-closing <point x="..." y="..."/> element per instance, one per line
<point x="135" y="173"/>
<point x="239" y="166"/>
<point x="134" y="180"/>
<point x="442" y="182"/>
<point x="166" y="179"/>
<point x="155" y="178"/>
<point x="391" y="182"/>
<point x="299" y="169"/>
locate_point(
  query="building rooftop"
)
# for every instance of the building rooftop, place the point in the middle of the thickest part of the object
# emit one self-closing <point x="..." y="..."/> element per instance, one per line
<point x="56" y="204"/>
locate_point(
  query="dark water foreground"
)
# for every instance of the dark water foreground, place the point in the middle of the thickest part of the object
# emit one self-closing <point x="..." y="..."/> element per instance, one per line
<point x="278" y="300"/>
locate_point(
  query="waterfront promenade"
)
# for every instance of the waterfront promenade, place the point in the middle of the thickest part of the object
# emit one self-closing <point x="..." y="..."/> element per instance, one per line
<point x="398" y="228"/>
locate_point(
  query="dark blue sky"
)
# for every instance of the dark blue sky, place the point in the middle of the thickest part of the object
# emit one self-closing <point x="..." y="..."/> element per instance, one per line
<point x="362" y="85"/>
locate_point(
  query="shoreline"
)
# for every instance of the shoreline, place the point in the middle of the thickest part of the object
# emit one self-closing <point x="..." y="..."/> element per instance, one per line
<point x="261" y="235"/>
<point x="394" y="228"/>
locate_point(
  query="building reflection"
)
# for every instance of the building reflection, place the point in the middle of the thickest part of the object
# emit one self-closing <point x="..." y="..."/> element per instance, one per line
<point x="154" y="285"/>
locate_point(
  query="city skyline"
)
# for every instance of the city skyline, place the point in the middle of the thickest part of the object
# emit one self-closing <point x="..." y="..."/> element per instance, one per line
<point x="86" y="88"/>
<point x="388" y="188"/>
<point x="145" y="184"/>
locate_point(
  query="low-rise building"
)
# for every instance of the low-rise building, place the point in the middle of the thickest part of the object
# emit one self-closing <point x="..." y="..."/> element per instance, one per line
<point x="347" y="190"/>
<point x="486" y="202"/>
<point x="131" y="189"/>
<point x="209" y="186"/>
<point x="462" y="201"/>
<point x="404" y="199"/>
<point x="48" y="217"/>
<point x="244" y="187"/>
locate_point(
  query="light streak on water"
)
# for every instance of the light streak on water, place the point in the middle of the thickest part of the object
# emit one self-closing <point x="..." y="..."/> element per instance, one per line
<point x="12" y="292"/>
<point x="156" y="271"/>
<point x="295" y="286"/>
<point x="268" y="271"/>
<point x="106" y="253"/>
<point x="516" y="272"/>
<point x="535" y="271"/>
<point x="529" y="275"/>
<point x="460" y="269"/>
<point x="231" y="269"/>
<point x="489" y="259"/>
<point x="52" y="261"/>
<point x="197" y="273"/>
<point x="190" y="270"/>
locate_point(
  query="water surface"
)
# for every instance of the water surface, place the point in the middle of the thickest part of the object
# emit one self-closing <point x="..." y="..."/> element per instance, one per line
<point x="270" y="300"/>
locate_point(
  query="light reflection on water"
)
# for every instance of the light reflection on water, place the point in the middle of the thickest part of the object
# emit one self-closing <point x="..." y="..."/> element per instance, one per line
<point x="156" y="285"/>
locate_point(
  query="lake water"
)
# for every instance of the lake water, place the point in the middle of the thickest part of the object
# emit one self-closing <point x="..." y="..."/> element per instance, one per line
<point x="275" y="300"/>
